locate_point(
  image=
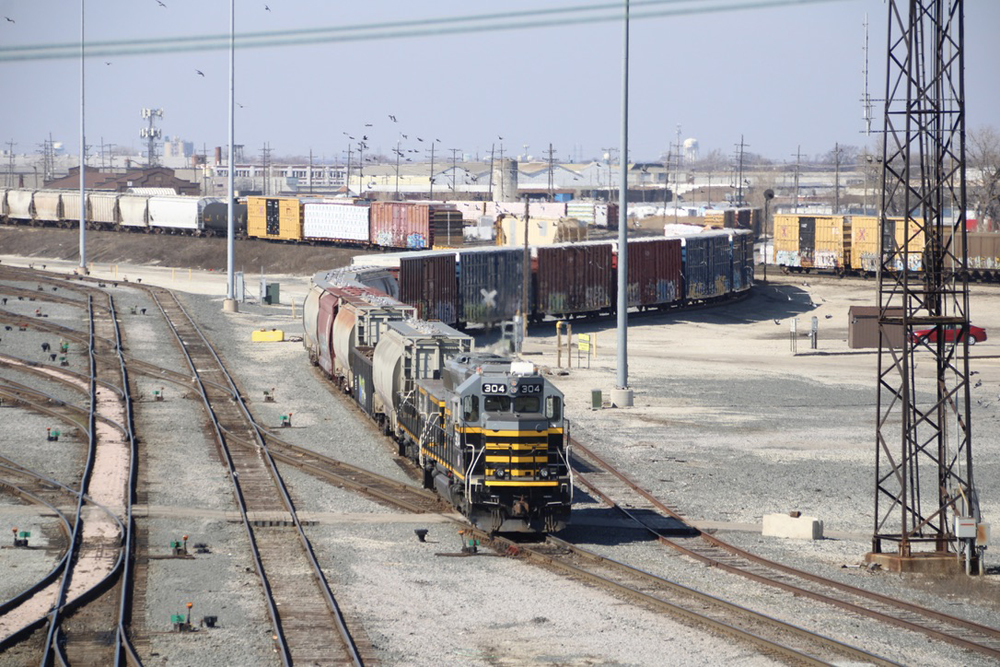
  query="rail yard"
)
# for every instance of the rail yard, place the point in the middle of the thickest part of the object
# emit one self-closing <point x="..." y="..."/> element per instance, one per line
<point x="265" y="498"/>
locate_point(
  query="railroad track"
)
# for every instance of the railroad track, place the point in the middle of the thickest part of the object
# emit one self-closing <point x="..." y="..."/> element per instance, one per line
<point x="620" y="492"/>
<point x="306" y="620"/>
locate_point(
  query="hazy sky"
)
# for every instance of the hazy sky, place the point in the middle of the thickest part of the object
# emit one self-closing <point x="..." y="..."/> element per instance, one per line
<point x="780" y="76"/>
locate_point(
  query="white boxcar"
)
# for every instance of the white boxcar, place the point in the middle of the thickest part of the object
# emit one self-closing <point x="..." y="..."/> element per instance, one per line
<point x="47" y="205"/>
<point x="332" y="221"/>
<point x="177" y="212"/>
<point x="102" y="207"/>
<point x="133" y="210"/>
<point x="71" y="206"/>
<point x="19" y="204"/>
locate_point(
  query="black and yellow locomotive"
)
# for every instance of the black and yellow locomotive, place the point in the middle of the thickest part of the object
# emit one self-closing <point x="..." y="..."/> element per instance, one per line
<point x="490" y="436"/>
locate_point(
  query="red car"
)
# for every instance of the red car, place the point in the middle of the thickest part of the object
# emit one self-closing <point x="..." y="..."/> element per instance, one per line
<point x="976" y="335"/>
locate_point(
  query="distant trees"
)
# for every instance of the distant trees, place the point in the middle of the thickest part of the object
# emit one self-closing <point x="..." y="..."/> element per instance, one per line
<point x="983" y="173"/>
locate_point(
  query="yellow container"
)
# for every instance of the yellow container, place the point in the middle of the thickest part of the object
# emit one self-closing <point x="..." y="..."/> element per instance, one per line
<point x="272" y="336"/>
<point x="865" y="241"/>
<point x="277" y="218"/>
<point x="832" y="242"/>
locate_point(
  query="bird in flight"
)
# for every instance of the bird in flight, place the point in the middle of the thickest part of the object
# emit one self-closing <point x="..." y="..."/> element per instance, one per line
<point x="392" y="118"/>
<point x="419" y="139"/>
<point x="403" y="135"/>
<point x="368" y="124"/>
<point x="499" y="137"/>
<point x="161" y="4"/>
<point x="266" y="8"/>
<point x="10" y="19"/>
<point x="364" y="137"/>
<point x="239" y="105"/>
<point x="200" y="73"/>
<point x="107" y="62"/>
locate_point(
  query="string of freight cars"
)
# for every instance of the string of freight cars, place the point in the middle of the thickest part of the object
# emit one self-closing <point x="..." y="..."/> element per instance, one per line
<point x="849" y="245"/>
<point x="403" y="225"/>
<point x="519" y="20"/>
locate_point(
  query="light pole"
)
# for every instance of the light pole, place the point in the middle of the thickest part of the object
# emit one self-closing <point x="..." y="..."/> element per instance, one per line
<point x="83" y="153"/>
<point x="768" y="196"/>
<point x="230" y="305"/>
<point x="622" y="395"/>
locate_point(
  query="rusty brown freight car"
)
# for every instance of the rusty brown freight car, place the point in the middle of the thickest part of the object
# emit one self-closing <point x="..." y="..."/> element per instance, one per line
<point x="575" y="278"/>
<point x="654" y="272"/>
<point x="429" y="282"/>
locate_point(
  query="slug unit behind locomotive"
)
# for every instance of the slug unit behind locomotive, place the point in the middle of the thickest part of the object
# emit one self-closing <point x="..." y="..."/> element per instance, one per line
<point x="488" y="432"/>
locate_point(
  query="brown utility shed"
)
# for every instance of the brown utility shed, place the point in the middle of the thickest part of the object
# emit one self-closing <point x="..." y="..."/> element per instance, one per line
<point x="862" y="327"/>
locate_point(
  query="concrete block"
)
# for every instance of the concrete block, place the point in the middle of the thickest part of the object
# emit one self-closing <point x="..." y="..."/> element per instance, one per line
<point x="795" y="527"/>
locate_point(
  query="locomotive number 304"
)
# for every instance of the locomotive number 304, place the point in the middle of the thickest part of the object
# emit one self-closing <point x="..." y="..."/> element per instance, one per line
<point x="494" y="388"/>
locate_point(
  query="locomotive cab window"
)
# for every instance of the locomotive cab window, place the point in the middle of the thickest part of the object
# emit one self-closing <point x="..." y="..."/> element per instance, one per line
<point x="470" y="408"/>
<point x="496" y="403"/>
<point x="526" y="404"/>
<point x="553" y="407"/>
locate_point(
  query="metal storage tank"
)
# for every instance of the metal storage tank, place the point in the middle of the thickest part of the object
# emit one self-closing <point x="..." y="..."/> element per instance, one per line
<point x="505" y="181"/>
<point x="408" y="352"/>
<point x="336" y="221"/>
<point x="134" y="210"/>
<point x="47" y="205"/>
<point x="490" y="284"/>
<point x="575" y="278"/>
<point x="654" y="272"/>
<point x="361" y="320"/>
<point x="103" y="207"/>
<point x="184" y="213"/>
<point x="276" y="218"/>
<point x="430" y="283"/>
<point x="216" y="217"/>
<point x="19" y="204"/>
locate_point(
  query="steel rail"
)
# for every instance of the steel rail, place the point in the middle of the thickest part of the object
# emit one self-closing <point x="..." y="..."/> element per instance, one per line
<point x="39" y="369"/>
<point x="901" y="605"/>
<point x="50" y="648"/>
<point x="124" y="650"/>
<point x="272" y="468"/>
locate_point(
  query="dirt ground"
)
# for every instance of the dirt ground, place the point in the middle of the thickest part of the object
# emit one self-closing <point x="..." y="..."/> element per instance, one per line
<point x="250" y="255"/>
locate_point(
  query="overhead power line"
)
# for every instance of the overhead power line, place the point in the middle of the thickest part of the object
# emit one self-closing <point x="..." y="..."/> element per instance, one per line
<point x="523" y="20"/>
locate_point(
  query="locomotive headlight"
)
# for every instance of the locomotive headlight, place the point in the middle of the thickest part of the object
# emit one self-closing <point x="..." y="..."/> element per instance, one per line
<point x="499" y="472"/>
<point x="544" y="473"/>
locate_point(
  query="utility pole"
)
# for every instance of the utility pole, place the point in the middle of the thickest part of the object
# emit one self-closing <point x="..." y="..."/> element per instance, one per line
<point x="10" y="169"/>
<point x="607" y="152"/>
<point x="503" y="181"/>
<point x="666" y="181"/>
<point x="454" y="168"/>
<point x="677" y="171"/>
<point x="265" y="160"/>
<point x="110" y="148"/>
<point x="431" y="194"/>
<point x="397" y="168"/>
<point x="621" y="395"/>
<point x="551" y="173"/>
<point x="836" y="190"/>
<point x="526" y="260"/>
<point x="361" y="167"/>
<point x="310" y="170"/>
<point x="151" y="134"/>
<point x="798" y="162"/>
<point x="347" y="183"/>
<point x="492" y="148"/>
<point x="739" y="171"/>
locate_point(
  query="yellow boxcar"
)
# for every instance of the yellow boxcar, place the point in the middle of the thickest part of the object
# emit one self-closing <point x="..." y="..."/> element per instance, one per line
<point x="274" y="218"/>
<point x="812" y="241"/>
<point x="864" y="243"/>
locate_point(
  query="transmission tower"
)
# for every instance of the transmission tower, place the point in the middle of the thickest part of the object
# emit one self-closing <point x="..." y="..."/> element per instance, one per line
<point x="926" y="508"/>
<point x="552" y="163"/>
<point x="151" y="134"/>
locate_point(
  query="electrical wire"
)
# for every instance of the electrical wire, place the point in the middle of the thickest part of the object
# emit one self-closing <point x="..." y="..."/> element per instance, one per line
<point x="505" y="21"/>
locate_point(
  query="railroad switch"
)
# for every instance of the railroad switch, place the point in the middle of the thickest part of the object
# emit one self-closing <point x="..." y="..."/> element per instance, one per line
<point x="286" y="420"/>
<point x="269" y="395"/>
<point x="470" y="544"/>
<point x="64" y="347"/>
<point x="421" y="534"/>
<point x="180" y="548"/>
<point x="21" y="537"/>
<point x="52" y="434"/>
<point x="208" y="621"/>
<point x="63" y="361"/>
<point x="158" y="394"/>
<point x="181" y="622"/>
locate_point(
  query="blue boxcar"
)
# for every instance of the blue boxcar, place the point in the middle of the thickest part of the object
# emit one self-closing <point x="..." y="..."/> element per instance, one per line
<point x="490" y="283"/>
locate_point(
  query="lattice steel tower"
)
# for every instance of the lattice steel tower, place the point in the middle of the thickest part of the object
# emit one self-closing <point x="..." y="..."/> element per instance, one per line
<point x="926" y="507"/>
